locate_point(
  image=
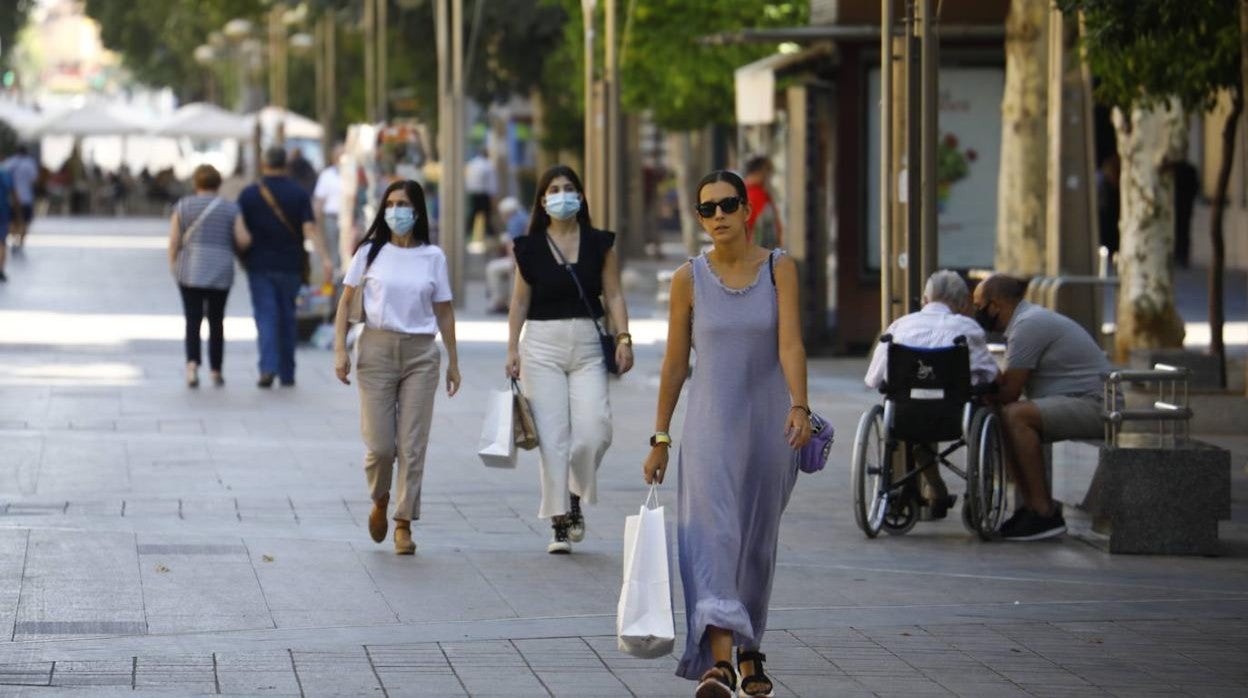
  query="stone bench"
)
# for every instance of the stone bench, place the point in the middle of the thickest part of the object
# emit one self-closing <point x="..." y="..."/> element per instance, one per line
<point x="1148" y="492"/>
<point x="1147" y="495"/>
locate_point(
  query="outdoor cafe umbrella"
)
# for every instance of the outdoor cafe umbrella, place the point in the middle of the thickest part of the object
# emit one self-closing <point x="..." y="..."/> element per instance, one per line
<point x="201" y="120"/>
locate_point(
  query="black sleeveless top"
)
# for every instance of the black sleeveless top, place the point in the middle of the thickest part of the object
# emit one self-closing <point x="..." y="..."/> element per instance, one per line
<point x="554" y="295"/>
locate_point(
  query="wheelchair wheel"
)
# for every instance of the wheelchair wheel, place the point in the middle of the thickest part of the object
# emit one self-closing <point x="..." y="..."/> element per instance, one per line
<point x="985" y="474"/>
<point x="870" y="454"/>
<point x="902" y="515"/>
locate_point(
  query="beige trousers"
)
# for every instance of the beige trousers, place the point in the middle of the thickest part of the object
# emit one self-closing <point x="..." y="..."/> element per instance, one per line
<point x="565" y="381"/>
<point x="398" y="378"/>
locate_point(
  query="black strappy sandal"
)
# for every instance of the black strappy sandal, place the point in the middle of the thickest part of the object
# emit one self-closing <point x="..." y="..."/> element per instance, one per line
<point x="757" y="684"/>
<point x="713" y="685"/>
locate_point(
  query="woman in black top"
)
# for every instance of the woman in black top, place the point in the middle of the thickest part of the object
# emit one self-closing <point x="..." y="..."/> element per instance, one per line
<point x="560" y="361"/>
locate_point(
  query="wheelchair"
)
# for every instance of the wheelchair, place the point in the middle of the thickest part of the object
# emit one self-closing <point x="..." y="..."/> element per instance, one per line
<point x="928" y="400"/>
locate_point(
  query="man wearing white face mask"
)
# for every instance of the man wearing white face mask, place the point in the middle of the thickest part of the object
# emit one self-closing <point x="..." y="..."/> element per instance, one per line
<point x="567" y="290"/>
<point x="406" y="303"/>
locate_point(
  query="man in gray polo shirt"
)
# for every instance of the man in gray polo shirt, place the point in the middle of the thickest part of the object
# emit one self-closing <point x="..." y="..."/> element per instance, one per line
<point x="1059" y="367"/>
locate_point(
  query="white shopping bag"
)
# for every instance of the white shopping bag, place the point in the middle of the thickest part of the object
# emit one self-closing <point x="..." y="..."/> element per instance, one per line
<point x="497" y="446"/>
<point x="643" y="621"/>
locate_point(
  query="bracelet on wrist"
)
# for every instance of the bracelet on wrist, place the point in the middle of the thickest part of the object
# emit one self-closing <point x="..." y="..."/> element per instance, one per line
<point x="624" y="338"/>
<point x="661" y="438"/>
<point x="803" y="408"/>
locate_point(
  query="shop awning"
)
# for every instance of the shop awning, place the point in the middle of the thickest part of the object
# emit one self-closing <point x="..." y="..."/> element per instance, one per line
<point x="756" y="83"/>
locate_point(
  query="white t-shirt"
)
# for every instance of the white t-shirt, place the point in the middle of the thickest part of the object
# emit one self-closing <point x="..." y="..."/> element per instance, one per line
<point x="479" y="176"/>
<point x="329" y="190"/>
<point x="401" y="287"/>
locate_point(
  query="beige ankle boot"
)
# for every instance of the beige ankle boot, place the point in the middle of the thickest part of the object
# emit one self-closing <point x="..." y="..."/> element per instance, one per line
<point x="403" y="543"/>
<point x="377" y="521"/>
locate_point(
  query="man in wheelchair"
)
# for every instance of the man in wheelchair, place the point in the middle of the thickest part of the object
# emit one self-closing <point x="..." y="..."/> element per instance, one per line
<point x="929" y="365"/>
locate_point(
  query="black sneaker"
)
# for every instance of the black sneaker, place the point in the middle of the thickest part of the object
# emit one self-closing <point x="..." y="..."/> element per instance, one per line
<point x="559" y="544"/>
<point x="576" y="521"/>
<point x="1032" y="526"/>
<point x="1008" y="525"/>
<point x="266" y="380"/>
<point x="3" y="277"/>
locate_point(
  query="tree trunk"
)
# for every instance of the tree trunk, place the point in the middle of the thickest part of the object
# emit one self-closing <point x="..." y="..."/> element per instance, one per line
<point x="1217" y="263"/>
<point x="681" y="150"/>
<point x="1147" y="141"/>
<point x="1022" y="188"/>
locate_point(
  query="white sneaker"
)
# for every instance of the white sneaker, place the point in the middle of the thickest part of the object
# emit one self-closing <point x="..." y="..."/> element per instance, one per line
<point x="576" y="521"/>
<point x="559" y="544"/>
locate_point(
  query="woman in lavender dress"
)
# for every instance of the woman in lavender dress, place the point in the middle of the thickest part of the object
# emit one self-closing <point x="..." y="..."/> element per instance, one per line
<point x="737" y="306"/>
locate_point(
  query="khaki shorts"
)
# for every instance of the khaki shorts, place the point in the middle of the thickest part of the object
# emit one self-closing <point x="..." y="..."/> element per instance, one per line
<point x="1063" y="418"/>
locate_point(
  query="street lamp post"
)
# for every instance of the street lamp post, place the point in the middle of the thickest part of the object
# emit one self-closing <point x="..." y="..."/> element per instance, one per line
<point x="588" y="8"/>
<point x="236" y="32"/>
<point x="449" y="23"/>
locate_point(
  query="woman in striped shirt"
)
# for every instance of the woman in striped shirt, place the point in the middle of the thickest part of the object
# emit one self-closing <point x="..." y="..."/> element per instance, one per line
<point x="203" y="235"/>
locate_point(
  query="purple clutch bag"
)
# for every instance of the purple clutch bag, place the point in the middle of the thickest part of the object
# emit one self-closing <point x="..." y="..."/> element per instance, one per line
<point x="814" y="455"/>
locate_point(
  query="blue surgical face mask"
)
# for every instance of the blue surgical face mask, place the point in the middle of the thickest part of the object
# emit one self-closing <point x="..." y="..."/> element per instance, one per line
<point x="562" y="205"/>
<point x="401" y="219"/>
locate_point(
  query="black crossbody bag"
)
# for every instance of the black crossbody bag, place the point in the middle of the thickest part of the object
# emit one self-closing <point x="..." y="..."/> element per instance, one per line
<point x="606" y="340"/>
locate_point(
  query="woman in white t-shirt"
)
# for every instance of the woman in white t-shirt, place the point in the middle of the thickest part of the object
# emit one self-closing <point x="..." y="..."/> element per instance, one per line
<point x="406" y="303"/>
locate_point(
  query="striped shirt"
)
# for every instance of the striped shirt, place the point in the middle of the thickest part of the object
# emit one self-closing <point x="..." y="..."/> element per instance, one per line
<point x="206" y="260"/>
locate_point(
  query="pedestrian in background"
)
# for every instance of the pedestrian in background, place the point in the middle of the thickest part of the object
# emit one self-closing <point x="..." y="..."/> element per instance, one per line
<point x="301" y="170"/>
<point x="1186" y="187"/>
<point x="560" y="360"/>
<point x="498" y="271"/>
<point x="327" y="203"/>
<point x="764" y="222"/>
<point x="10" y="214"/>
<point x="481" y="184"/>
<point x="738" y="304"/>
<point x="24" y="171"/>
<point x="406" y="302"/>
<point x="278" y="215"/>
<point x="204" y="233"/>
<point x="1108" y="201"/>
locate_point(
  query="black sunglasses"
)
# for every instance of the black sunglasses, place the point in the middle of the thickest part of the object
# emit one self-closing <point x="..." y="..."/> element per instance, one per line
<point x="706" y="209"/>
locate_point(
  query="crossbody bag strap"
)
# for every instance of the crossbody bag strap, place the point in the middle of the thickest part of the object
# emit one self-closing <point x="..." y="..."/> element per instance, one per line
<point x="277" y="210"/>
<point x="576" y="280"/>
<point x="195" y="226"/>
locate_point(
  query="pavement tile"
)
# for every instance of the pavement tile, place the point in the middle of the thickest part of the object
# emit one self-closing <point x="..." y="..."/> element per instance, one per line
<point x="256" y="673"/>
<point x="343" y="673"/>
<point x="110" y="672"/>
<point x="25" y="673"/>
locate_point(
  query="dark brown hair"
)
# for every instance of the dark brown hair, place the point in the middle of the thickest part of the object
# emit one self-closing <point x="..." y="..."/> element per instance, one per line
<point x="379" y="232"/>
<point x="539" y="221"/>
<point x="206" y="178"/>
<point x="723" y="176"/>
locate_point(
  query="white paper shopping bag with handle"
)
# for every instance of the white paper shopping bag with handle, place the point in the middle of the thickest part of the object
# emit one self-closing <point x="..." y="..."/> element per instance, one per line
<point x="497" y="447"/>
<point x="644" y="623"/>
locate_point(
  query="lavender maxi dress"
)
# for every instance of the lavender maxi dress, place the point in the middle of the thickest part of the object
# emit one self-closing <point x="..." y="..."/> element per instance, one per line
<point x="736" y="470"/>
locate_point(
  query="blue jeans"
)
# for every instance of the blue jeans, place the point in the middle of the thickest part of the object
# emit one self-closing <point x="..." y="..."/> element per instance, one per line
<point x="273" y="295"/>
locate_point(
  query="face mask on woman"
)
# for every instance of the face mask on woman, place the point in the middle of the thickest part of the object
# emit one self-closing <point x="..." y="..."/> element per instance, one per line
<point x="401" y="219"/>
<point x="563" y="205"/>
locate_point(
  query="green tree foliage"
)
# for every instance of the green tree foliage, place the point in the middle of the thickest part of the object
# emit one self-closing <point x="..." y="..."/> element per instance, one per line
<point x="157" y="38"/>
<point x="506" y="43"/>
<point x="684" y="83"/>
<point x="1146" y="51"/>
<point x="13" y="15"/>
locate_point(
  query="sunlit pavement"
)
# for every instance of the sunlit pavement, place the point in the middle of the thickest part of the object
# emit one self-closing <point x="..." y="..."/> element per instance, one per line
<point x="156" y="539"/>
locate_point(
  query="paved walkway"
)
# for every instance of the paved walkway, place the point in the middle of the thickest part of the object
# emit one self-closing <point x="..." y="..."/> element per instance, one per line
<point x="158" y="540"/>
